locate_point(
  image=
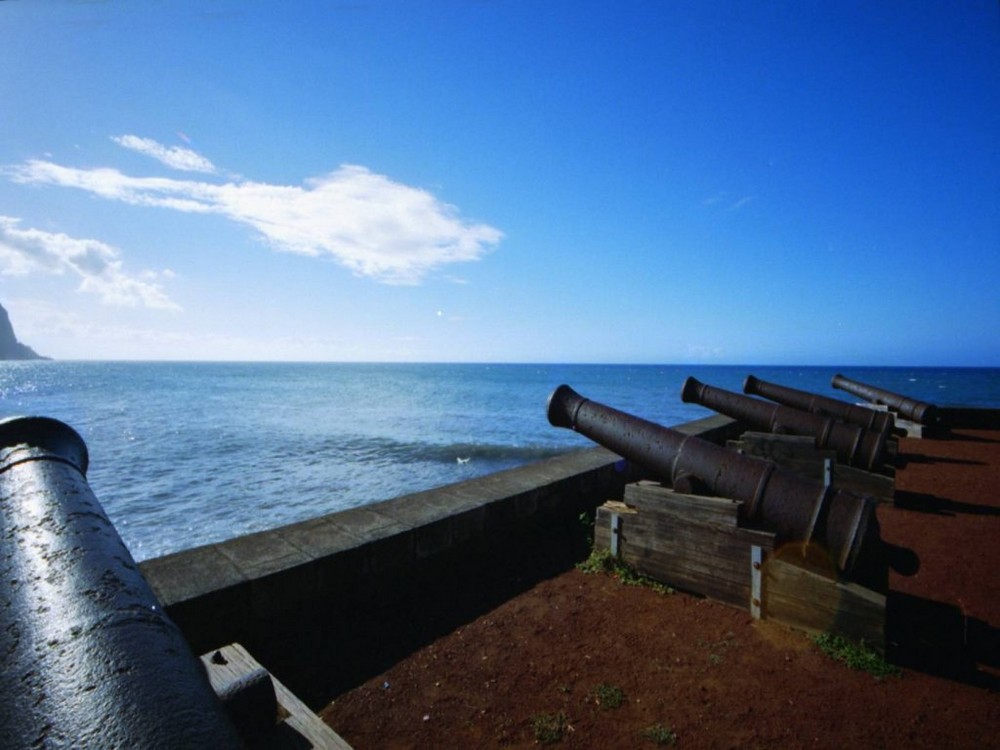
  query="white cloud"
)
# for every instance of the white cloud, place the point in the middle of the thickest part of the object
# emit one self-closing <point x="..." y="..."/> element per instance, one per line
<point x="25" y="251"/>
<point x="703" y="351"/>
<point x="175" y="157"/>
<point x="372" y="225"/>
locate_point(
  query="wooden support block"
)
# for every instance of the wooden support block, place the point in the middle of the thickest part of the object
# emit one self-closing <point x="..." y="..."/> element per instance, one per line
<point x="818" y="603"/>
<point x="719" y="512"/>
<point x="799" y="454"/>
<point x="778" y="447"/>
<point x="861" y="482"/>
<point x="696" y="544"/>
<point x="912" y="429"/>
<point x="226" y="664"/>
<point x="686" y="541"/>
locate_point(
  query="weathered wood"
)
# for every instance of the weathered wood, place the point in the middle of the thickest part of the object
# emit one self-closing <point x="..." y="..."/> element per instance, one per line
<point x="686" y="541"/>
<point x="799" y="454"/>
<point x="711" y="511"/>
<point x="817" y="603"/>
<point x="695" y="543"/>
<point x="233" y="661"/>
<point x="779" y="447"/>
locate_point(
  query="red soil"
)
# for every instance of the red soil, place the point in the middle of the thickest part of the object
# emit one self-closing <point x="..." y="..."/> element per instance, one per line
<point x="708" y="672"/>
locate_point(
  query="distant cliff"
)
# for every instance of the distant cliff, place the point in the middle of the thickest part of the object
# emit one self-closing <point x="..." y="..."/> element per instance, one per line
<point x="10" y="348"/>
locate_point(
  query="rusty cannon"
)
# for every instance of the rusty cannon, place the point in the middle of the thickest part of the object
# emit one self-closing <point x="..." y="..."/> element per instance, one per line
<point x="854" y="445"/>
<point x="871" y="419"/>
<point x="90" y="658"/>
<point x="908" y="408"/>
<point x="795" y="508"/>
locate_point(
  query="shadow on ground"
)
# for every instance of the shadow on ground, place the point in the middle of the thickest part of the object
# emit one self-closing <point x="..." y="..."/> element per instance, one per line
<point x="939" y="639"/>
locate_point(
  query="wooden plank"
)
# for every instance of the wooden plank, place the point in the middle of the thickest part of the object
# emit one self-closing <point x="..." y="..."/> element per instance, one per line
<point x="236" y="661"/>
<point x="715" y="511"/>
<point x="602" y="522"/>
<point x="659" y="540"/>
<point x="778" y="448"/>
<point x="817" y="603"/>
<point x="692" y="543"/>
<point x="862" y="482"/>
<point x="697" y="557"/>
<point x="800" y="455"/>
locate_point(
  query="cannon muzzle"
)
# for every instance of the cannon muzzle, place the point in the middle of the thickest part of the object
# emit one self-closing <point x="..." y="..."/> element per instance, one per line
<point x="853" y="445"/>
<point x="795" y="508"/>
<point x="908" y="408"/>
<point x="90" y="658"/>
<point x="870" y="419"/>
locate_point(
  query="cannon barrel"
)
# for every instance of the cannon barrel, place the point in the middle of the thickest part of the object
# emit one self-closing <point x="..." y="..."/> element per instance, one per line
<point x="795" y="508"/>
<point x="906" y="407"/>
<point x="90" y="658"/>
<point x="853" y="445"/>
<point x="863" y="416"/>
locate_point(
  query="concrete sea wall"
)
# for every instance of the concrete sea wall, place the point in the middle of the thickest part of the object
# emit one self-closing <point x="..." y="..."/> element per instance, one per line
<point x="327" y="602"/>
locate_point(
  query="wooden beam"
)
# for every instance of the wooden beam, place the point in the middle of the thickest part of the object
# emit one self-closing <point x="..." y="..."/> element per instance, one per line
<point x="229" y="663"/>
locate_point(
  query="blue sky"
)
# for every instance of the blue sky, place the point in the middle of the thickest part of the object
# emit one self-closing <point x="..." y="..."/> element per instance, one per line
<point x="667" y="182"/>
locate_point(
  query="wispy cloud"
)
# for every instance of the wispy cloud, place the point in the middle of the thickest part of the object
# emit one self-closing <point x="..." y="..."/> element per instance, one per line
<point x="99" y="266"/>
<point x="175" y="157"/>
<point x="741" y="203"/>
<point x="704" y="351"/>
<point x="374" y="226"/>
<point x="722" y="197"/>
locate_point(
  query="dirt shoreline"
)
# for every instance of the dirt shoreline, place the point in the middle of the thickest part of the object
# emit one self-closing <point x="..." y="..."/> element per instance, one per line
<point x="706" y="674"/>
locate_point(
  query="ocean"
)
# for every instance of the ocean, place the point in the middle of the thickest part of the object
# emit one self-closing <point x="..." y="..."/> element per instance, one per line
<point x="184" y="454"/>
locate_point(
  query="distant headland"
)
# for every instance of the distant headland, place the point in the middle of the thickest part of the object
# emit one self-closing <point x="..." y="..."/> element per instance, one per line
<point x="10" y="347"/>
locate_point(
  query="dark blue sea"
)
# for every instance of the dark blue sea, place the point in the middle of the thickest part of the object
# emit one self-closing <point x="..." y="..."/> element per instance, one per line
<point x="190" y="453"/>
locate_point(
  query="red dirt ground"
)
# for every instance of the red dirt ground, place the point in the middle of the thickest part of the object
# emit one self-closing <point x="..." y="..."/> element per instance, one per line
<point x="708" y="672"/>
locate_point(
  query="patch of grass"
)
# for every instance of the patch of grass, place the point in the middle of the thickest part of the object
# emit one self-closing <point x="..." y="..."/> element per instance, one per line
<point x="660" y="735"/>
<point x="719" y="648"/>
<point x="855" y="655"/>
<point x="602" y="561"/>
<point x="607" y="696"/>
<point x="549" y="728"/>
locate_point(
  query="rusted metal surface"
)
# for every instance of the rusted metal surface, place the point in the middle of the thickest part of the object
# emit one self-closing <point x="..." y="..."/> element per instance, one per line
<point x="90" y="660"/>
<point x="906" y="407"/>
<point x="854" y="445"/>
<point x="795" y="508"/>
<point x="870" y="419"/>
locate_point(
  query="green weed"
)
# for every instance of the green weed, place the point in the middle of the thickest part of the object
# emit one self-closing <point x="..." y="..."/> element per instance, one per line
<point x="607" y="696"/>
<point x="602" y="561"/>
<point x="549" y="728"/>
<point x="855" y="655"/>
<point x="660" y="735"/>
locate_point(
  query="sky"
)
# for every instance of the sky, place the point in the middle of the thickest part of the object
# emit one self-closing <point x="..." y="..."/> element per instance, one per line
<point x="657" y="181"/>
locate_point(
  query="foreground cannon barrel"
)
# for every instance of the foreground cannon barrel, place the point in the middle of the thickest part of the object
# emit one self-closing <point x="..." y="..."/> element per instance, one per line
<point x="795" y="508"/>
<point x="90" y="658"/>
<point x="906" y="407"/>
<point x="870" y="419"/>
<point x="853" y="445"/>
